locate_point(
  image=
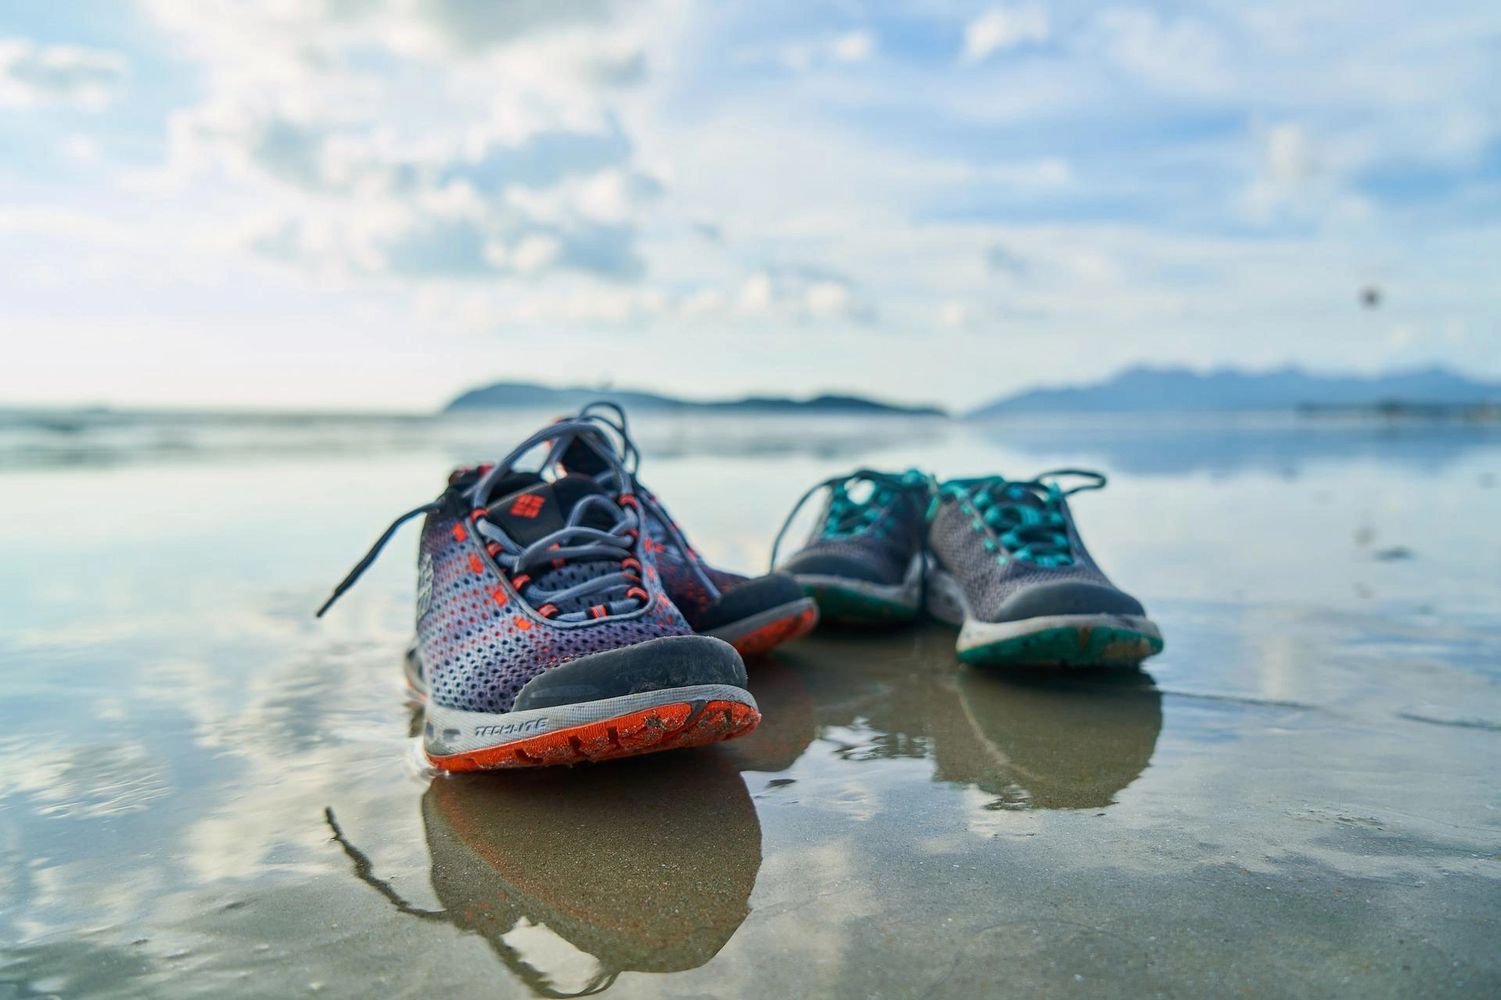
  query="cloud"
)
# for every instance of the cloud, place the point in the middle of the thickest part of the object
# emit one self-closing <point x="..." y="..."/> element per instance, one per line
<point x="464" y="238"/>
<point x="855" y="46"/>
<point x="474" y="25"/>
<point x="803" y="293"/>
<point x="1298" y="181"/>
<point x="619" y="69"/>
<point x="80" y="149"/>
<point x="335" y="157"/>
<point x="953" y="314"/>
<point x="543" y="159"/>
<point x="1001" y="260"/>
<point x="423" y="28"/>
<point x="1182" y="54"/>
<point x="756" y="294"/>
<point x="801" y="55"/>
<point x="1004" y="28"/>
<point x="1106" y="182"/>
<point x="827" y="298"/>
<point x="35" y="76"/>
<point x="530" y="175"/>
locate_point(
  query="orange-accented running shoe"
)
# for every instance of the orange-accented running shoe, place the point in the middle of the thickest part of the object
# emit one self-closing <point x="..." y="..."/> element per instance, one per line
<point x="544" y="632"/>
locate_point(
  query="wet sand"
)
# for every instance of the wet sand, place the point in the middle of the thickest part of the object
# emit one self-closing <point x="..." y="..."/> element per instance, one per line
<point x="206" y="792"/>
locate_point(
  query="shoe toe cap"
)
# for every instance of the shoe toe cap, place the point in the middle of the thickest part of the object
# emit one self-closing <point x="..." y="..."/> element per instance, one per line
<point x="1068" y="597"/>
<point x="836" y="564"/>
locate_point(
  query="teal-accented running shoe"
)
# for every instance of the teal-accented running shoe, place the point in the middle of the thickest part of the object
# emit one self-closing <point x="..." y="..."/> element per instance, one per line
<point x="864" y="561"/>
<point x="1010" y="569"/>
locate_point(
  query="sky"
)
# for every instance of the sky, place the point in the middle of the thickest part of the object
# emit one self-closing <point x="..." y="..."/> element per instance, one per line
<point x="351" y="204"/>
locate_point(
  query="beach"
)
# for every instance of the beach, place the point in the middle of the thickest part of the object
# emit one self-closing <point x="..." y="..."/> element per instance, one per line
<point x="206" y="791"/>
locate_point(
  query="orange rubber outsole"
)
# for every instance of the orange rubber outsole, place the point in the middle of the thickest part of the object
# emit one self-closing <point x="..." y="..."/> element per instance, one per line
<point x="773" y="634"/>
<point x="666" y="727"/>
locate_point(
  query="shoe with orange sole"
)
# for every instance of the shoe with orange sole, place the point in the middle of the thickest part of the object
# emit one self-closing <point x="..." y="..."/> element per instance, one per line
<point x="544" y="632"/>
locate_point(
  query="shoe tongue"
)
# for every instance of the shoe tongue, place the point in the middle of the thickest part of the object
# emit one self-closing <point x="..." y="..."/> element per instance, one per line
<point x="582" y="456"/>
<point x="537" y="510"/>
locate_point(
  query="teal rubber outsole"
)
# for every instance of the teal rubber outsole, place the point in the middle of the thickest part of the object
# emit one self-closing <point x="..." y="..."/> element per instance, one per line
<point x="1081" y="646"/>
<point x="842" y="606"/>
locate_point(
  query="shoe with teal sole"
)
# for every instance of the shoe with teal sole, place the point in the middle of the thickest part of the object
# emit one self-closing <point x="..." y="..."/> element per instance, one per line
<point x="1009" y="568"/>
<point x="864" y="562"/>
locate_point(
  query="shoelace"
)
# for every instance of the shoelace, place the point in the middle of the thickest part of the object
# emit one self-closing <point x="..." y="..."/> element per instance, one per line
<point x="611" y="416"/>
<point x="574" y="542"/>
<point x="847" y="516"/>
<point x="577" y="542"/>
<point x="1025" y="514"/>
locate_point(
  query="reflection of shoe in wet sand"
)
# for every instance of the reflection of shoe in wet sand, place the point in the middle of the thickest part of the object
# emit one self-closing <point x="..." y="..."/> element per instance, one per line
<point x="788" y="724"/>
<point x="1029" y="739"/>
<point x="1043" y="742"/>
<point x="578" y="876"/>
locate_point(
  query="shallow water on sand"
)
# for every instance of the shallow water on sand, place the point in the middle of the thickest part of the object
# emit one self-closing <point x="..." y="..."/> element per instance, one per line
<point x="204" y="791"/>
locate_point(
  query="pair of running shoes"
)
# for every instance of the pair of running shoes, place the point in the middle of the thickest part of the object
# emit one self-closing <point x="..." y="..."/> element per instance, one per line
<point x="563" y="616"/>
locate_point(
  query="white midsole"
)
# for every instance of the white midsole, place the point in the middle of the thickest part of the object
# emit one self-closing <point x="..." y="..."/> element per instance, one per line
<point x="453" y="730"/>
<point x="908" y="592"/>
<point x="946" y="602"/>
<point x="974" y="633"/>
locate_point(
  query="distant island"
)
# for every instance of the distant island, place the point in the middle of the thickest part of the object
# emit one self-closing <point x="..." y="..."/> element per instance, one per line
<point x="1435" y="393"/>
<point x="517" y="395"/>
<point x="1165" y="390"/>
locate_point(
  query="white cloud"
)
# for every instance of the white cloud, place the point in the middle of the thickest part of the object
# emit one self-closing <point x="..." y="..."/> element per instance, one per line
<point x="654" y="169"/>
<point x="1300" y="180"/>
<point x="34" y="76"/>
<point x="856" y="46"/>
<point x="80" y="149"/>
<point x="756" y="293"/>
<point x="483" y="145"/>
<point x="1183" y="54"/>
<point x="801" y="55"/>
<point x="827" y="298"/>
<point x="1004" y="28"/>
<point x="1288" y="157"/>
<point x="703" y="303"/>
<point x="534" y="253"/>
<point x="1044" y="173"/>
<point x="953" y="314"/>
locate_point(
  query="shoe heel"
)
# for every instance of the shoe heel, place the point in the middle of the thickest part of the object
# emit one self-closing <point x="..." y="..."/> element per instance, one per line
<point x="943" y="598"/>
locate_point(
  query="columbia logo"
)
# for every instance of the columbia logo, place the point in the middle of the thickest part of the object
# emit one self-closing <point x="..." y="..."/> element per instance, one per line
<point x="529" y="505"/>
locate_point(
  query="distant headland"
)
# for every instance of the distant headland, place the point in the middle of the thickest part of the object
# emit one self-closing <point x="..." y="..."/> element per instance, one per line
<point x="515" y="395"/>
<point x="1417" y="393"/>
<point x="1165" y="390"/>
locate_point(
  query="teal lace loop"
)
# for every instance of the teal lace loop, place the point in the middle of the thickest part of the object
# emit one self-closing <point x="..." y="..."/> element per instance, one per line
<point x="848" y="517"/>
<point x="1025" y="515"/>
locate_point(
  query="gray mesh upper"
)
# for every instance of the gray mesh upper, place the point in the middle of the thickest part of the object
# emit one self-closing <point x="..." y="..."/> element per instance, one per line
<point x="882" y="553"/>
<point x="958" y="547"/>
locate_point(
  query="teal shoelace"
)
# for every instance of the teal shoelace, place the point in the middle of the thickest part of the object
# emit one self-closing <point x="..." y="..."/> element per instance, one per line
<point x="849" y="516"/>
<point x="1025" y="515"/>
